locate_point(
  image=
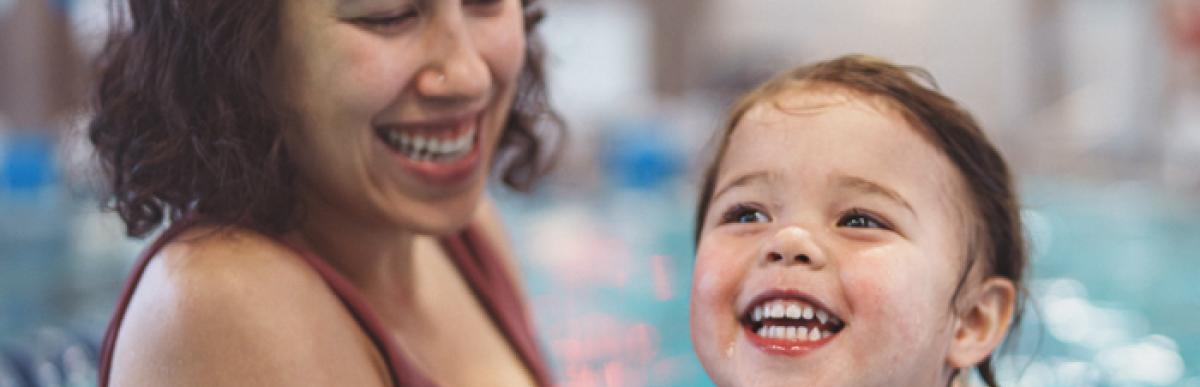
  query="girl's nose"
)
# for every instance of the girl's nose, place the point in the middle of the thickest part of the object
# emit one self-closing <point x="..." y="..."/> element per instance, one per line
<point x="793" y="245"/>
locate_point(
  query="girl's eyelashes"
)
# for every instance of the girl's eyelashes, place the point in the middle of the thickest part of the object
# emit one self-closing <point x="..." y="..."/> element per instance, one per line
<point x="744" y="213"/>
<point x="858" y="218"/>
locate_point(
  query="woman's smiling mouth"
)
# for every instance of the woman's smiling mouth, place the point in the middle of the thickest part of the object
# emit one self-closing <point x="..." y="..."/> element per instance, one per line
<point x="430" y="144"/>
<point x="789" y="323"/>
<point x="439" y="152"/>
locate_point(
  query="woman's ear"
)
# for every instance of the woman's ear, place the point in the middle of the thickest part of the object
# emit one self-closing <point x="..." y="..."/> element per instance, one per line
<point x="983" y="322"/>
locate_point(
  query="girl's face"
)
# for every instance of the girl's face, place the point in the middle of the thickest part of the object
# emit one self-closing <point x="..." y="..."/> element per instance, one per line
<point x="830" y="251"/>
<point x="400" y="103"/>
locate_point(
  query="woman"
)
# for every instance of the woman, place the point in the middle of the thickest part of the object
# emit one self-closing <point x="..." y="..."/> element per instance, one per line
<point x="319" y="165"/>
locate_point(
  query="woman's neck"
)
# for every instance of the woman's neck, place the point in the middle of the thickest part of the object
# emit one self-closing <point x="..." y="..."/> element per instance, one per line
<point x="377" y="259"/>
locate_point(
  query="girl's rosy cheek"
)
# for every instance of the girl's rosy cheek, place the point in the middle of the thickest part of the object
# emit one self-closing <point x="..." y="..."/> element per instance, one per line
<point x="894" y="300"/>
<point x="712" y="277"/>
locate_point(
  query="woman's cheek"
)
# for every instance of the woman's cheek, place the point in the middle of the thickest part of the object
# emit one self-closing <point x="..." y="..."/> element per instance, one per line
<point x="502" y="42"/>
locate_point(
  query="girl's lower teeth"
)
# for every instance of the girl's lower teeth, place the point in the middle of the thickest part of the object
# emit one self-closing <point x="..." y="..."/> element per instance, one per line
<point x="792" y="333"/>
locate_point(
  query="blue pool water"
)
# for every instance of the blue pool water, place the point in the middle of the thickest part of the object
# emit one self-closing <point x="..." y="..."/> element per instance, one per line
<point x="1114" y="278"/>
<point x="1115" y="269"/>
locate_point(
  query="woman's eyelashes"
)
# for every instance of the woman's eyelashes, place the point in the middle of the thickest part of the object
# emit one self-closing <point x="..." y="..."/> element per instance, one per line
<point x="390" y="20"/>
<point x="482" y="2"/>
<point x="744" y="213"/>
<point x="402" y="17"/>
<point x="858" y="218"/>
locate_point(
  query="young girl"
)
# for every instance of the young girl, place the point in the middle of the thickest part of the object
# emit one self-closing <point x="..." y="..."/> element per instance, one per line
<point x="855" y="229"/>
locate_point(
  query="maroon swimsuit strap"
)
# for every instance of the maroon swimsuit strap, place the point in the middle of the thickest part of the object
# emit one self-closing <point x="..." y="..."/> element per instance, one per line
<point x="493" y="286"/>
<point x="135" y="276"/>
<point x="476" y="263"/>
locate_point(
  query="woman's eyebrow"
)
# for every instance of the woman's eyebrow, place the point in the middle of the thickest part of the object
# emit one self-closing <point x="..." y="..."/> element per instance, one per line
<point x="869" y="187"/>
<point x="742" y="181"/>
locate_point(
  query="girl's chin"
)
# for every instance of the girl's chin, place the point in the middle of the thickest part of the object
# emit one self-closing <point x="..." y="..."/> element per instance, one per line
<point x="749" y="365"/>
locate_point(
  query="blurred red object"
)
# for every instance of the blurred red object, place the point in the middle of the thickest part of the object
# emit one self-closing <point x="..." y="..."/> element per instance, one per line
<point x="1183" y="24"/>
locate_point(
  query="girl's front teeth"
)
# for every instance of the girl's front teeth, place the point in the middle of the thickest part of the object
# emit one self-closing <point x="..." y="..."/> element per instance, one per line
<point x="792" y="320"/>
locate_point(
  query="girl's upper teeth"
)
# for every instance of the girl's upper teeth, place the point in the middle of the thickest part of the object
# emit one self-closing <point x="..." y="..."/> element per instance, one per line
<point x="795" y="320"/>
<point x="790" y="309"/>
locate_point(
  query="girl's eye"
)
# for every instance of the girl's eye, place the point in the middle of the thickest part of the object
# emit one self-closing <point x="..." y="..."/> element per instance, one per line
<point x="858" y="219"/>
<point x="745" y="214"/>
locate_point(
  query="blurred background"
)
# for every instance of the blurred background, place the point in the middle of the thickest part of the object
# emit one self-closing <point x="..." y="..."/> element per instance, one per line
<point x="1096" y="104"/>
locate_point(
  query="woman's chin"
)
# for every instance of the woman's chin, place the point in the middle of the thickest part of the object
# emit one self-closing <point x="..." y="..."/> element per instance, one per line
<point x="442" y="217"/>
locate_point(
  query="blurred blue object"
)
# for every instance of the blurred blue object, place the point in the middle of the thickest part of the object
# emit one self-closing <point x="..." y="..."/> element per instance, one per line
<point x="638" y="157"/>
<point x="50" y="357"/>
<point x="33" y="232"/>
<point x="27" y="163"/>
<point x="11" y="373"/>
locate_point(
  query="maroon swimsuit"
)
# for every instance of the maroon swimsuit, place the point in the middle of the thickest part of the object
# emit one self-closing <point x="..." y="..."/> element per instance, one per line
<point x="476" y="263"/>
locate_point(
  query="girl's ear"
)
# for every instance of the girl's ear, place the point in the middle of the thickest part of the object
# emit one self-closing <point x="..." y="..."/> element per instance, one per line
<point x="982" y="322"/>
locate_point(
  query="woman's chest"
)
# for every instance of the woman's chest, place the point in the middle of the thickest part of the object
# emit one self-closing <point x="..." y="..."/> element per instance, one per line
<point x="450" y="335"/>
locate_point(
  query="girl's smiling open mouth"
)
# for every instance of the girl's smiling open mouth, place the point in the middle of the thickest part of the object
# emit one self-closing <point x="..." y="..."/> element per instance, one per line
<point x="789" y="323"/>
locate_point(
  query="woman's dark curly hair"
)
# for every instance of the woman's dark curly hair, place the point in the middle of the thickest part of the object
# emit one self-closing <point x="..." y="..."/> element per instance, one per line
<point x="185" y="123"/>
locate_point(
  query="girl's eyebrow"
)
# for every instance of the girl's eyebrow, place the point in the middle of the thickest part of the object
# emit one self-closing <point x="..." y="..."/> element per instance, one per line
<point x="742" y="181"/>
<point x="869" y="187"/>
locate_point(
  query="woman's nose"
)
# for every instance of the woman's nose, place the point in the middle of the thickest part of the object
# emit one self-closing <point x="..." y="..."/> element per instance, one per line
<point x="793" y="245"/>
<point x="455" y="69"/>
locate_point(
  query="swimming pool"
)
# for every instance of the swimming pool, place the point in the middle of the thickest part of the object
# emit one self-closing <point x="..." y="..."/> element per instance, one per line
<point x="1115" y="269"/>
<point x="1115" y="273"/>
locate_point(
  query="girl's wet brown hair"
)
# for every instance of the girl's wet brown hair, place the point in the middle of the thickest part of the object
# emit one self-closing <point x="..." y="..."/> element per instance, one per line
<point x="997" y="242"/>
<point x="185" y="122"/>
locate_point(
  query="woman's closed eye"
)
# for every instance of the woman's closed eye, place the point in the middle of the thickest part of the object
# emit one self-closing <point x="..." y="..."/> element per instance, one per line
<point x="389" y="20"/>
<point x="743" y="213"/>
<point x="482" y="2"/>
<point x="484" y="8"/>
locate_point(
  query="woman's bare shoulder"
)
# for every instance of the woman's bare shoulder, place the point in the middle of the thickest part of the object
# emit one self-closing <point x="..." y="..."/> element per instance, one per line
<point x="231" y="254"/>
<point x="233" y="307"/>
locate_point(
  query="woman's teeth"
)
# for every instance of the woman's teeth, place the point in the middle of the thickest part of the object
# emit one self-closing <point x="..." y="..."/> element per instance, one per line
<point x="425" y="148"/>
<point x="793" y="320"/>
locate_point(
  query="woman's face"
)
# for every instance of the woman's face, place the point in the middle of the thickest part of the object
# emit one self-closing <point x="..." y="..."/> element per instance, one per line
<point x="400" y="104"/>
<point x="830" y="250"/>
